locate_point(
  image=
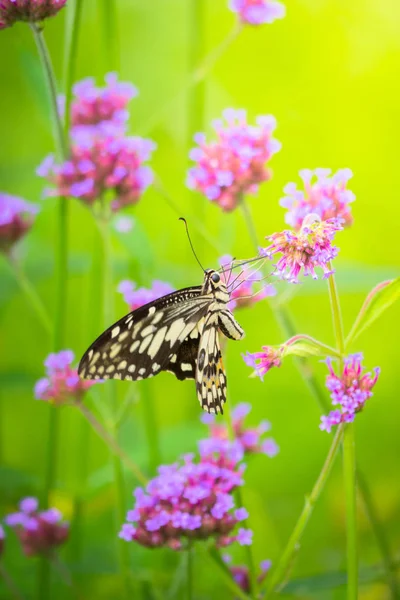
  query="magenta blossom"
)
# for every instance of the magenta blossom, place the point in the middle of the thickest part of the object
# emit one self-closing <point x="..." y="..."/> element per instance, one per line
<point x="324" y="195"/>
<point x="101" y="165"/>
<point x="32" y="11"/>
<point x="243" y="286"/>
<point x="100" y="107"/>
<point x="38" y="531"/>
<point x="16" y="218"/>
<point x="263" y="361"/>
<point x="138" y="297"/>
<point x="234" y="164"/>
<point x="305" y="250"/>
<point x="191" y="500"/>
<point x="257" y="12"/>
<point x="251" y="439"/>
<point x="241" y="573"/>
<point x="349" y="391"/>
<point x="62" y="383"/>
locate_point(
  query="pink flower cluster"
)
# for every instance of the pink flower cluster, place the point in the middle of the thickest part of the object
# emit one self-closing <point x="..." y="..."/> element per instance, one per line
<point x="350" y="390"/>
<point x="241" y="576"/>
<point x="305" y="250"/>
<point x="62" y="383"/>
<point x="263" y="361"/>
<point x="242" y="287"/>
<point x="250" y="439"/>
<point x="38" y="531"/>
<point x="12" y="11"/>
<point x="138" y="297"/>
<point x="16" y="218"/>
<point x="234" y="164"/>
<point x="191" y="500"/>
<point x="257" y="12"/>
<point x="323" y="194"/>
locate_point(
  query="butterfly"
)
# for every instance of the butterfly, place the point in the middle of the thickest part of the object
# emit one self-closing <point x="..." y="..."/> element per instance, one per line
<point x="178" y="333"/>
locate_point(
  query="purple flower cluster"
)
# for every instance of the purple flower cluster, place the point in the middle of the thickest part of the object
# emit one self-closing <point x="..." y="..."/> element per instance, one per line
<point x="62" y="383"/>
<point x="234" y="164"/>
<point x="38" y="531"/>
<point x="305" y="250"/>
<point x="242" y="286"/>
<point x="250" y="439"/>
<point x="103" y="108"/>
<point x="241" y="573"/>
<point x="324" y="195"/>
<point x="12" y="11"/>
<point x="138" y="297"/>
<point x="263" y="361"/>
<point x="350" y="390"/>
<point x="257" y="12"/>
<point x="16" y="218"/>
<point x="191" y="500"/>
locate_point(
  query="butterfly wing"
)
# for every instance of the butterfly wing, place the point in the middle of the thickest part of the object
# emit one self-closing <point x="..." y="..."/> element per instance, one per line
<point x="145" y="341"/>
<point x="183" y="363"/>
<point x="210" y="372"/>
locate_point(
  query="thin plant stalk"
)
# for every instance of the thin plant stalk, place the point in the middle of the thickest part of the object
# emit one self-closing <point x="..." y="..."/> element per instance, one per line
<point x="226" y="575"/>
<point x="10" y="583"/>
<point x="109" y="25"/>
<point x="349" y="457"/>
<point x="279" y="573"/>
<point x="70" y="56"/>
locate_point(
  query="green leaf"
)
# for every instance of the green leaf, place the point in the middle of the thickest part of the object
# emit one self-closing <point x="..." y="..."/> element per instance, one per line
<point x="375" y="304"/>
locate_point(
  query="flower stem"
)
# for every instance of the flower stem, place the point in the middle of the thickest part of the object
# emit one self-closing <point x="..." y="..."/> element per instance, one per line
<point x="110" y="442"/>
<point x="225" y="574"/>
<point x="31" y="294"/>
<point x="279" y="573"/>
<point x="189" y="571"/>
<point x="10" y="583"/>
<point x="70" y="55"/>
<point x="109" y="24"/>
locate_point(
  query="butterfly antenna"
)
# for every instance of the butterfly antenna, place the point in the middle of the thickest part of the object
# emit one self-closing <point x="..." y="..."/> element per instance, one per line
<point x="190" y="242"/>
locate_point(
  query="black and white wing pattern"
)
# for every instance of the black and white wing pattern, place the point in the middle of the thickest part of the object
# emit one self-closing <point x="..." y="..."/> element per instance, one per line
<point x="210" y="372"/>
<point x="151" y="339"/>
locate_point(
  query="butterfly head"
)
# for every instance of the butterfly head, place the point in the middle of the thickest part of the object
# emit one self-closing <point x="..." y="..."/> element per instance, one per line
<point x="213" y="284"/>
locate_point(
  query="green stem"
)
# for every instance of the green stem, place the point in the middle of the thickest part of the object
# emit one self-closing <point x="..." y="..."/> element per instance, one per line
<point x="150" y="425"/>
<point x="189" y="572"/>
<point x="70" y="55"/>
<point x="109" y="24"/>
<point x="349" y="457"/>
<point x="279" y="573"/>
<point x="225" y="574"/>
<point x="10" y="583"/>
<point x="31" y="294"/>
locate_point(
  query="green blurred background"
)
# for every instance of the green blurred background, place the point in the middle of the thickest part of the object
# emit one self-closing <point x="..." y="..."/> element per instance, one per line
<point x="329" y="73"/>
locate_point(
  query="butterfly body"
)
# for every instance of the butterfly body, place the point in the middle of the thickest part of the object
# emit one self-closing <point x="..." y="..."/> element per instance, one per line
<point x="178" y="333"/>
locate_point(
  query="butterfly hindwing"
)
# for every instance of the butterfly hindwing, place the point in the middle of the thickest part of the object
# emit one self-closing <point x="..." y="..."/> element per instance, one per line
<point x="141" y="344"/>
<point x="210" y="372"/>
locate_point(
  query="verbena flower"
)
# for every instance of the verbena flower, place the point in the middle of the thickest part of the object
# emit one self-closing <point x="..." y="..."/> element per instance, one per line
<point x="102" y="167"/>
<point x="38" y="531"/>
<point x="323" y="194"/>
<point x="251" y="439"/>
<point x="305" y="250"/>
<point x="257" y="12"/>
<point x="349" y="390"/>
<point x="235" y="163"/>
<point x="191" y="500"/>
<point x="96" y="108"/>
<point x="240" y="573"/>
<point x="62" y="383"/>
<point x="12" y="11"/>
<point x="138" y="297"/>
<point x="243" y="285"/>
<point x="263" y="361"/>
<point x="16" y="218"/>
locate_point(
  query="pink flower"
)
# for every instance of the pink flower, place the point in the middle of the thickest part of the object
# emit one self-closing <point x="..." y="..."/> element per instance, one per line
<point x="324" y="195"/>
<point x="350" y="390"/>
<point x="234" y="164"/>
<point x="62" y="383"/>
<point x="241" y="573"/>
<point x="16" y="218"/>
<point x="305" y="250"/>
<point x="102" y="165"/>
<point x="38" y="532"/>
<point x="263" y="361"/>
<point x="242" y="286"/>
<point x="257" y="12"/>
<point x="12" y="11"/>
<point x="138" y="297"/>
